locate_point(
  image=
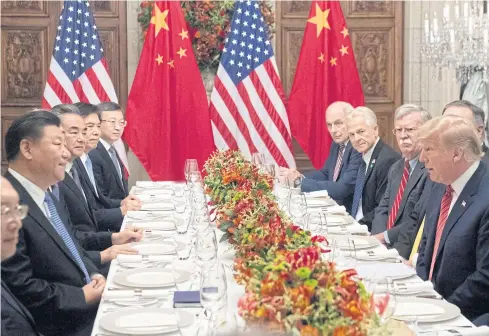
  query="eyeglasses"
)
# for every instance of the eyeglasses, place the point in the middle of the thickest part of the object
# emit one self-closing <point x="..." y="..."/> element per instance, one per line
<point x="112" y="123"/>
<point x="20" y="211"/>
<point x="407" y="131"/>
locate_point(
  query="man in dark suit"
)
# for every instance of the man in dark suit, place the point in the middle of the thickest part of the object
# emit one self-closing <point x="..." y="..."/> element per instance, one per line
<point x="74" y="198"/>
<point x="109" y="213"/>
<point x="16" y="319"/>
<point x="107" y="166"/>
<point x="454" y="251"/>
<point x="377" y="158"/>
<point x="50" y="273"/>
<point x="406" y="178"/>
<point x="341" y="168"/>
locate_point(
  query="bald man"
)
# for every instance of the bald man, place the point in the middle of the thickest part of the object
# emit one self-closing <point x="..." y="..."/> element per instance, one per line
<point x="16" y="319"/>
<point x="339" y="172"/>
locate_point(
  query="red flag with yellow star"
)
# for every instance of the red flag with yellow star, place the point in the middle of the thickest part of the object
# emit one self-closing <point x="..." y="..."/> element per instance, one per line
<point x="326" y="72"/>
<point x="167" y="110"/>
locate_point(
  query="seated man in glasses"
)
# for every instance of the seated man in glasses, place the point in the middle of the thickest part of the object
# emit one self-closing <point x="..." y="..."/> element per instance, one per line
<point x="107" y="165"/>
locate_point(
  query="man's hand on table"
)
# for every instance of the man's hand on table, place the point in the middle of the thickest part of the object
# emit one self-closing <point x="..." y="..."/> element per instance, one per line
<point x="129" y="235"/>
<point x="112" y="252"/>
<point x="93" y="291"/>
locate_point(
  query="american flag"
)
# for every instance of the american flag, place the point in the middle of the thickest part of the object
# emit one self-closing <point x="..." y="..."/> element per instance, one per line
<point x="247" y="103"/>
<point x="78" y="70"/>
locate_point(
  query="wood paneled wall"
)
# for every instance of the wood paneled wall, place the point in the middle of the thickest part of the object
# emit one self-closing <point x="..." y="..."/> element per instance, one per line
<point x="376" y="30"/>
<point x="28" y="33"/>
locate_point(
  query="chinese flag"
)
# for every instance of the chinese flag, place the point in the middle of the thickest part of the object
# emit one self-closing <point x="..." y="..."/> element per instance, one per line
<point x="326" y="72"/>
<point x="167" y="109"/>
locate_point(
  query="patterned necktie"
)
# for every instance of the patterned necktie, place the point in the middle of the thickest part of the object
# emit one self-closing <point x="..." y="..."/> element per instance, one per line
<point x="400" y="193"/>
<point x="115" y="160"/>
<point x="339" y="161"/>
<point x="76" y="178"/>
<point x="63" y="233"/>
<point x="89" y="166"/>
<point x="55" y="190"/>
<point x="442" y="220"/>
<point x="357" y="196"/>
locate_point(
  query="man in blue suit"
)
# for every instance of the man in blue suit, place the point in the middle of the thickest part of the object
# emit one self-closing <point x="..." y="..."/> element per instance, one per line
<point x="339" y="173"/>
<point x="454" y="250"/>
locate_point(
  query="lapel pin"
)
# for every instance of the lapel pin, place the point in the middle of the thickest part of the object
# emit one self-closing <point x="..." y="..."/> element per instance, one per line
<point x="463" y="203"/>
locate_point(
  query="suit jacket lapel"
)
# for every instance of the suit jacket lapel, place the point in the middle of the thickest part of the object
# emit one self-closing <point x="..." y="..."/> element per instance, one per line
<point x="346" y="157"/>
<point x="412" y="181"/>
<point x="37" y="215"/>
<point x="70" y="184"/>
<point x="16" y="304"/>
<point x="373" y="159"/>
<point x="108" y="160"/>
<point x="462" y="204"/>
<point x="85" y="179"/>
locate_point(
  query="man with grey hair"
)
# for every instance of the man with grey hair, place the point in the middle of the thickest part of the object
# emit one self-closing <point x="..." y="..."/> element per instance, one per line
<point x="340" y="169"/>
<point x="406" y="178"/>
<point x="469" y="111"/>
<point x="377" y="158"/>
<point x="454" y="249"/>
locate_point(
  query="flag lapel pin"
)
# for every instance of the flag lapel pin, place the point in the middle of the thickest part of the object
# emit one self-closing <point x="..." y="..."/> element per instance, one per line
<point x="463" y="203"/>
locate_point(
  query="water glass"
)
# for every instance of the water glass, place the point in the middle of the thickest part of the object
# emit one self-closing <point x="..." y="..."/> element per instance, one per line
<point x="344" y="253"/>
<point x="201" y="221"/>
<point x="213" y="289"/>
<point x="206" y="247"/>
<point x="298" y="207"/>
<point x="181" y="225"/>
<point x="179" y="190"/>
<point x="384" y="301"/>
<point x="258" y="159"/>
<point x="191" y="165"/>
<point x="317" y="222"/>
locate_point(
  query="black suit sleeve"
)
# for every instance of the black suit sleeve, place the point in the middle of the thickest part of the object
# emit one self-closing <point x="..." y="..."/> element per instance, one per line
<point x="409" y="229"/>
<point x="109" y="219"/>
<point x="379" y="223"/>
<point x="39" y="294"/>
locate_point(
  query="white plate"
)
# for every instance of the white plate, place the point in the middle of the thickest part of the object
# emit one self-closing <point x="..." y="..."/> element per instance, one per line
<point x="141" y="320"/>
<point x="146" y="215"/>
<point x="337" y="220"/>
<point x="161" y="247"/>
<point x="157" y="206"/>
<point x="130" y="302"/>
<point x="360" y="243"/>
<point x="430" y="310"/>
<point x="163" y="225"/>
<point x="150" y="278"/>
<point x="319" y="203"/>
<point x="152" y="191"/>
<point x="380" y="270"/>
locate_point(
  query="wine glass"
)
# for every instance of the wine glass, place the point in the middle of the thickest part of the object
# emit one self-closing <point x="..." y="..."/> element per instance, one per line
<point x="206" y="247"/>
<point x="298" y="207"/>
<point x="317" y="222"/>
<point x="258" y="159"/>
<point x="384" y="301"/>
<point x="191" y="165"/>
<point x="213" y="288"/>
<point x="201" y="221"/>
<point x="344" y="252"/>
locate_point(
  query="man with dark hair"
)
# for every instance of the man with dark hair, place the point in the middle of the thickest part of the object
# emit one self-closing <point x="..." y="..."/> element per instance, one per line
<point x="64" y="108"/>
<point x="107" y="166"/>
<point x="109" y="212"/>
<point x="75" y="200"/>
<point x="50" y="273"/>
<point x="16" y="319"/>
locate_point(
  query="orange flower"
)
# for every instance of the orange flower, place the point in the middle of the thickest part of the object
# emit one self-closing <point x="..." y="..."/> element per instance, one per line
<point x="197" y="34"/>
<point x="309" y="330"/>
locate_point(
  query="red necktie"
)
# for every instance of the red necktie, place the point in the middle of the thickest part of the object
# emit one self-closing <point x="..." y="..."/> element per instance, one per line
<point x="442" y="220"/>
<point x="339" y="160"/>
<point x="400" y="192"/>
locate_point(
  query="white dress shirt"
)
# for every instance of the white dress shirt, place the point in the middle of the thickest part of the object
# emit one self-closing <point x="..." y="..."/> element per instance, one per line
<point x="366" y="158"/>
<point x="458" y="185"/>
<point x="84" y="159"/>
<point x="105" y="144"/>
<point x="33" y="190"/>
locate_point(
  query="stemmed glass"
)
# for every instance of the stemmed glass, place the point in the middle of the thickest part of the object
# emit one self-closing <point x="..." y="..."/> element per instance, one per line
<point x="317" y="222"/>
<point x="258" y="159"/>
<point x="383" y="298"/>
<point x="344" y="253"/>
<point x="213" y="288"/>
<point x="298" y="207"/>
<point x="206" y="247"/>
<point x="191" y="165"/>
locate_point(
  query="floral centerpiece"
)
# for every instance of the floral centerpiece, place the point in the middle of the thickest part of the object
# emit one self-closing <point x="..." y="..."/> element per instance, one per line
<point x="209" y="22"/>
<point x="289" y="288"/>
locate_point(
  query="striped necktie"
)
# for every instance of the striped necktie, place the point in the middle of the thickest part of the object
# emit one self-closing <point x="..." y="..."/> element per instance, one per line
<point x="400" y="193"/>
<point x="88" y="164"/>
<point x="339" y="161"/>
<point x="63" y="233"/>
<point x="446" y="200"/>
<point x="357" y="196"/>
<point x="115" y="161"/>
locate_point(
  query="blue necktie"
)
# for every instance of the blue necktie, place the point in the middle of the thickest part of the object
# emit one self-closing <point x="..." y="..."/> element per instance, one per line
<point x="55" y="190"/>
<point x="63" y="233"/>
<point x="76" y="178"/>
<point x="89" y="166"/>
<point x="357" y="196"/>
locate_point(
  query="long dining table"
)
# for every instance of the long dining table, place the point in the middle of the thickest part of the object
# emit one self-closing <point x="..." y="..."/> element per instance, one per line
<point x="118" y="299"/>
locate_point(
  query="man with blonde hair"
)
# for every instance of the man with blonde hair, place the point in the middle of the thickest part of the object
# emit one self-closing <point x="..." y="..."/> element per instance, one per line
<point x="407" y="177"/>
<point x="340" y="169"/>
<point x="377" y="158"/>
<point x="454" y="249"/>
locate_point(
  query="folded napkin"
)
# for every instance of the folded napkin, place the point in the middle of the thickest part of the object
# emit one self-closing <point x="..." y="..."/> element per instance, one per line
<point x="351" y="229"/>
<point x="375" y="254"/>
<point x="125" y="258"/>
<point x="125" y="294"/>
<point x="139" y="191"/>
<point x="150" y="184"/>
<point x="416" y="309"/>
<point x="157" y="206"/>
<point x="316" y="202"/>
<point x="318" y="193"/>
<point x="424" y="286"/>
<point x="480" y="331"/>
<point x="143" y="215"/>
<point x="154" y="198"/>
<point x="154" y="225"/>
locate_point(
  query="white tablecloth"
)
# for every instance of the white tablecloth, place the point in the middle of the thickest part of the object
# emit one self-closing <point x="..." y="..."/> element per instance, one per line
<point x="235" y="291"/>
